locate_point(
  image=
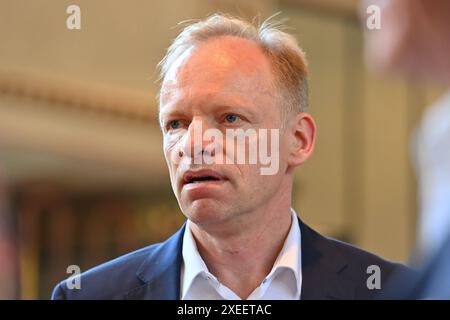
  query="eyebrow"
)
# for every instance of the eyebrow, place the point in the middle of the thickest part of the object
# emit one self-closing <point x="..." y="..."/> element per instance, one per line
<point x="249" y="111"/>
<point x="170" y="114"/>
<point x="220" y="102"/>
<point x="246" y="111"/>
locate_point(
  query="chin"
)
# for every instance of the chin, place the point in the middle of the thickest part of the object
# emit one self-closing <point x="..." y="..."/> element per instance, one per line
<point x="205" y="211"/>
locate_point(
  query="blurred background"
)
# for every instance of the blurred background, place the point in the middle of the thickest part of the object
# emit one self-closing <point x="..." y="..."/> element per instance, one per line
<point x="82" y="174"/>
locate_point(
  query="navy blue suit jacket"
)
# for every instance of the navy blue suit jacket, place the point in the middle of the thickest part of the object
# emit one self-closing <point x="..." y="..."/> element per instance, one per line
<point x="330" y="270"/>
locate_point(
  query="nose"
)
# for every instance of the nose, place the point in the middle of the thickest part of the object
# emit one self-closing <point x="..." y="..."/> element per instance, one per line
<point x="194" y="144"/>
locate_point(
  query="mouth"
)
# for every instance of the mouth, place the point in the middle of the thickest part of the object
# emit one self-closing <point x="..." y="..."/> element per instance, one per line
<point x="202" y="177"/>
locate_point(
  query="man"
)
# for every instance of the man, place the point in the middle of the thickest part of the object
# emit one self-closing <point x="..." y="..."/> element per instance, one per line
<point x="414" y="40"/>
<point x="223" y="76"/>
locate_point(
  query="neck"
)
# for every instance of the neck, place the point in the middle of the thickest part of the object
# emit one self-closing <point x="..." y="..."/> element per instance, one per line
<point x="242" y="259"/>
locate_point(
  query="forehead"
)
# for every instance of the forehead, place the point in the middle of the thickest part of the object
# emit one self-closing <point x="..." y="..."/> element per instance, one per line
<point x="221" y="65"/>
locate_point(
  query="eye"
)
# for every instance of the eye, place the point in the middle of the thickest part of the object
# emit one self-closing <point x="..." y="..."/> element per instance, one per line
<point x="232" y="118"/>
<point x="174" y="124"/>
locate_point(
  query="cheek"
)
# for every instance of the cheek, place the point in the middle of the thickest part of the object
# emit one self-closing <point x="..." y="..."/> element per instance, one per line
<point x="284" y="149"/>
<point x="250" y="175"/>
<point x="256" y="188"/>
<point x="170" y="147"/>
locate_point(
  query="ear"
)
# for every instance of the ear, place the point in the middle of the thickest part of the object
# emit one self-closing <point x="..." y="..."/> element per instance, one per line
<point x="302" y="138"/>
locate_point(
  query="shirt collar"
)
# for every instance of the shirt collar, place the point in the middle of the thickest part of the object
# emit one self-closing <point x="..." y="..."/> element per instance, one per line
<point x="193" y="264"/>
<point x="289" y="257"/>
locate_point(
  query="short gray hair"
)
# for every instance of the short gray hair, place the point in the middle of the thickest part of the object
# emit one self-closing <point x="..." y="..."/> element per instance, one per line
<point x="285" y="56"/>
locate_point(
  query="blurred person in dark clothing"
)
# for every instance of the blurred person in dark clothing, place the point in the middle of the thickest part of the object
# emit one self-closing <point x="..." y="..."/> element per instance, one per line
<point x="414" y="40"/>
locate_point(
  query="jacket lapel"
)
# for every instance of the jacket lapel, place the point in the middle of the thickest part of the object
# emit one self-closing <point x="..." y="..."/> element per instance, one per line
<point x="160" y="272"/>
<point x="322" y="269"/>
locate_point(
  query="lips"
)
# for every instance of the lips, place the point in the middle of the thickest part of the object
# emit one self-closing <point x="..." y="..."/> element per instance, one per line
<point x="201" y="176"/>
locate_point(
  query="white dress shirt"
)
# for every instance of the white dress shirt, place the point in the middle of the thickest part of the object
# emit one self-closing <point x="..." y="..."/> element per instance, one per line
<point x="282" y="283"/>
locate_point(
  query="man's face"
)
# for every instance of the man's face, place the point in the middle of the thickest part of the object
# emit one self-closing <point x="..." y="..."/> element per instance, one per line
<point x="225" y="83"/>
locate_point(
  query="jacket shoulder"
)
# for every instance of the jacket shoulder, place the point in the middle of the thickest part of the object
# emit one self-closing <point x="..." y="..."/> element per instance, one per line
<point x="361" y="260"/>
<point x="110" y="280"/>
<point x="370" y="274"/>
<point x="359" y="274"/>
